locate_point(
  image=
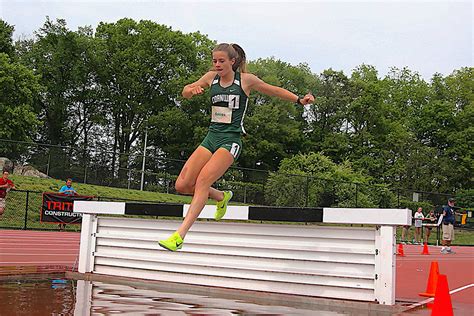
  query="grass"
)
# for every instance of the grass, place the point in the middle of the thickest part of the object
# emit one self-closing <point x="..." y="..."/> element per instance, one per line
<point x="53" y="185"/>
<point x="16" y="203"/>
<point x="14" y="216"/>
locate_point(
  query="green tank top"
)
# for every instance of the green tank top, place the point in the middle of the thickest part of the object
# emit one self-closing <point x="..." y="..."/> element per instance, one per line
<point x="229" y="105"/>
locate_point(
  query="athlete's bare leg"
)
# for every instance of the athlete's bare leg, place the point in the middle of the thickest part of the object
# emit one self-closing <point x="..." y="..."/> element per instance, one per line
<point x="185" y="184"/>
<point x="212" y="170"/>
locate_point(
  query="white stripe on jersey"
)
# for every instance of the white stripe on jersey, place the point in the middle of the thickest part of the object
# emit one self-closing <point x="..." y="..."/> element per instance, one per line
<point x="243" y="115"/>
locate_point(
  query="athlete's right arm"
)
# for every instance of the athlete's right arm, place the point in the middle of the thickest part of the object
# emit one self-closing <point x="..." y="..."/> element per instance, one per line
<point x="197" y="87"/>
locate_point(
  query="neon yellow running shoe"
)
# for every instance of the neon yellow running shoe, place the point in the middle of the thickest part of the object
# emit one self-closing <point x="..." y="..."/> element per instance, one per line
<point x="173" y="243"/>
<point x="222" y="205"/>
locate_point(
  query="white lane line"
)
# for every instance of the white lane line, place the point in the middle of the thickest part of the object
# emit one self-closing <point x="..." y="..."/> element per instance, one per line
<point x="432" y="299"/>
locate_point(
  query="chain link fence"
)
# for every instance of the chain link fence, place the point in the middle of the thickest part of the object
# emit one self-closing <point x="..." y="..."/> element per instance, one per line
<point x="100" y="166"/>
<point x="22" y="211"/>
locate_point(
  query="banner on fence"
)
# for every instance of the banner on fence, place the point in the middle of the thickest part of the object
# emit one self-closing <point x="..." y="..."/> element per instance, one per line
<point x="58" y="208"/>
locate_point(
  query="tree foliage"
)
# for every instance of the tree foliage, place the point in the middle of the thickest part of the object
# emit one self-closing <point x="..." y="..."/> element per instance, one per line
<point x="19" y="88"/>
<point x="6" y="40"/>
<point x="314" y="180"/>
<point x="99" y="91"/>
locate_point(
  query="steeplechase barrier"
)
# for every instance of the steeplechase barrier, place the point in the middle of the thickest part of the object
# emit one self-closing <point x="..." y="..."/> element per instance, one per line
<point x="338" y="261"/>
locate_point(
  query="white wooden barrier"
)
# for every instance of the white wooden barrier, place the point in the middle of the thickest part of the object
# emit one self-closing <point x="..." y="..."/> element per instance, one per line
<point x="354" y="263"/>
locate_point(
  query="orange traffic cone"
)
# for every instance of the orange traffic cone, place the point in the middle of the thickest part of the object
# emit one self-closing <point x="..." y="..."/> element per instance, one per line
<point x="425" y="249"/>
<point x="442" y="302"/>
<point x="400" y="251"/>
<point x="432" y="280"/>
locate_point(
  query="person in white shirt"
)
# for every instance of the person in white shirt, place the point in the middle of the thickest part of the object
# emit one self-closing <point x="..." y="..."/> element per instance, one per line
<point x="419" y="217"/>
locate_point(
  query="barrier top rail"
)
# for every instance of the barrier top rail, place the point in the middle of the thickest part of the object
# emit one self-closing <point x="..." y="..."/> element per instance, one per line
<point x="259" y="213"/>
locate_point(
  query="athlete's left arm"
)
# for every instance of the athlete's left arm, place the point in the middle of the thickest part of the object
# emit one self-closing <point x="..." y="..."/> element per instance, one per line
<point x="252" y="82"/>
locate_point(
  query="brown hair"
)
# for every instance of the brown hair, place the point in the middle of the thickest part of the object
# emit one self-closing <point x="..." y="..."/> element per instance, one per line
<point x="234" y="51"/>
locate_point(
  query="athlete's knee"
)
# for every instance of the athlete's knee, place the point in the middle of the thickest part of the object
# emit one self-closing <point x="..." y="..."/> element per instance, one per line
<point x="184" y="187"/>
<point x="203" y="182"/>
<point x="1" y="210"/>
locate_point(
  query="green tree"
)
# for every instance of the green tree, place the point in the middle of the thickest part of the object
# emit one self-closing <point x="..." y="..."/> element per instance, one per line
<point x="460" y="149"/>
<point x="18" y="89"/>
<point x="444" y="127"/>
<point x="407" y="162"/>
<point x="50" y="56"/>
<point x="367" y="121"/>
<point x="142" y="69"/>
<point x="328" y="126"/>
<point x="181" y="125"/>
<point x="275" y="127"/>
<point x="314" y="180"/>
<point x="6" y="39"/>
<point x="71" y="106"/>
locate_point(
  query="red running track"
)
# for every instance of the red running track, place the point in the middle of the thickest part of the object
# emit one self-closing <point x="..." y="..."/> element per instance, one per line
<point x="413" y="271"/>
<point x="34" y="248"/>
<point x="25" y="250"/>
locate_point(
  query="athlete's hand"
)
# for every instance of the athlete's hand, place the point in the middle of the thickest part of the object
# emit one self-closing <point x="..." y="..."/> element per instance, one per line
<point x="196" y="90"/>
<point x="307" y="99"/>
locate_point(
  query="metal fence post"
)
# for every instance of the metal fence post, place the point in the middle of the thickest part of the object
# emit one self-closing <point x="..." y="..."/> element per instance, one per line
<point x="49" y="161"/>
<point x="26" y="209"/>
<point x="307" y="192"/>
<point x="398" y="198"/>
<point x="357" y="192"/>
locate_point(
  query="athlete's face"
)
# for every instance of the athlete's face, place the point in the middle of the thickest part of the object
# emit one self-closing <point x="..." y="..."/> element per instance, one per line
<point x="222" y="63"/>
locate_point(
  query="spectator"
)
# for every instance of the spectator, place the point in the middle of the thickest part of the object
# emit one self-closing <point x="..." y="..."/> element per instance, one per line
<point x="68" y="189"/>
<point x="5" y="186"/>
<point x="405" y="234"/>
<point x="448" y="227"/>
<point x="430" y="222"/>
<point x="418" y="224"/>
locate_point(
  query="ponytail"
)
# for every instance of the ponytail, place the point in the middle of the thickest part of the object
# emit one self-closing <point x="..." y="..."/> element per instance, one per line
<point x="234" y="51"/>
<point x="241" y="60"/>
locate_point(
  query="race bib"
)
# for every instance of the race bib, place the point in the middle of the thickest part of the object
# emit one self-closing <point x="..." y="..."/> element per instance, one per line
<point x="221" y="115"/>
<point x="234" y="101"/>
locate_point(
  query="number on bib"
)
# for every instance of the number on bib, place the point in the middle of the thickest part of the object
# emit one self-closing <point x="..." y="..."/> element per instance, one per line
<point x="234" y="101"/>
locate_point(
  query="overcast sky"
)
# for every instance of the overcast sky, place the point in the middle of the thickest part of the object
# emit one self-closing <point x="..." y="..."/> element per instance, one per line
<point x="425" y="36"/>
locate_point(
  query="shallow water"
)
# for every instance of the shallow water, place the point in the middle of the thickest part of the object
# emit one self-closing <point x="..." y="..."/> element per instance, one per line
<point x="36" y="297"/>
<point x="78" y="298"/>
